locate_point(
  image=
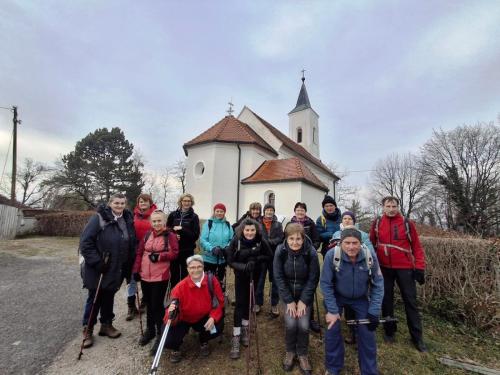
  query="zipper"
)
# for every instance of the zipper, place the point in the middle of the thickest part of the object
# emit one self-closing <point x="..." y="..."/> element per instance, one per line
<point x="295" y="277"/>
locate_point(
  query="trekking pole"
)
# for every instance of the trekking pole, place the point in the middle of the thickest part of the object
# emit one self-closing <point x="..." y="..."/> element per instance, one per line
<point x="252" y="290"/>
<point x="159" y="351"/>
<point x="139" y="308"/>
<point x="250" y="309"/>
<point x="89" y="323"/>
<point x="356" y="322"/>
<point x="318" y="315"/>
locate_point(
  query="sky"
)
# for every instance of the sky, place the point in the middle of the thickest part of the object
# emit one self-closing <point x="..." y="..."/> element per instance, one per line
<point x="380" y="74"/>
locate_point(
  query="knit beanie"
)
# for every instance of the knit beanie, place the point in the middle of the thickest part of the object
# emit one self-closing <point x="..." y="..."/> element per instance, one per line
<point x="350" y="232"/>
<point x="328" y="199"/>
<point x="220" y="206"/>
<point x="351" y="214"/>
<point x="269" y="205"/>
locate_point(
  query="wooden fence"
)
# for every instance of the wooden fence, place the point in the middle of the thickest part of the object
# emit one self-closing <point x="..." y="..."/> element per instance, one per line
<point x="8" y="222"/>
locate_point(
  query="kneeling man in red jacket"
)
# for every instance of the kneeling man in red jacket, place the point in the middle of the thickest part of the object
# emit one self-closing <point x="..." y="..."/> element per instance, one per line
<point x="199" y="302"/>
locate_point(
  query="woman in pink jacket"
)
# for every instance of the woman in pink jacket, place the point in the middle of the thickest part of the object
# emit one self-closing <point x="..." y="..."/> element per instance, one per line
<point x="152" y="266"/>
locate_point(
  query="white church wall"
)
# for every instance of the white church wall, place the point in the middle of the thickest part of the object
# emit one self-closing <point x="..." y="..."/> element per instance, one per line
<point x="307" y="120"/>
<point x="251" y="158"/>
<point x="249" y="118"/>
<point x="313" y="198"/>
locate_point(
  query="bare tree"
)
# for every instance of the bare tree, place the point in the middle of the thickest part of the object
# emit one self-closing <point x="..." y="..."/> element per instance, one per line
<point x="466" y="163"/>
<point x="179" y="172"/>
<point x="402" y="177"/>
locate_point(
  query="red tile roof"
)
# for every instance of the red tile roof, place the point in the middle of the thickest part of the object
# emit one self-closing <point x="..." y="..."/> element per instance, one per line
<point x="295" y="147"/>
<point x="230" y="130"/>
<point x="281" y="170"/>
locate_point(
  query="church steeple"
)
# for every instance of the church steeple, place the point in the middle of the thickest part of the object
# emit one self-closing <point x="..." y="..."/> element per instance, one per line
<point x="303" y="122"/>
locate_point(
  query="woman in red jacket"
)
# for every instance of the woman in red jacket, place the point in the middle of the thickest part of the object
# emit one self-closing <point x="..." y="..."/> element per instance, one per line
<point x="152" y="265"/>
<point x="142" y="211"/>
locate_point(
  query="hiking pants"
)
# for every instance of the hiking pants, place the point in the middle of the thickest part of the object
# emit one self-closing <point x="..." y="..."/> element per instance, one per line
<point x="259" y="292"/>
<point x="154" y="295"/>
<point x="242" y="296"/>
<point x="178" y="267"/>
<point x="408" y="288"/>
<point x="219" y="271"/>
<point x="104" y="305"/>
<point x="297" y="333"/>
<point x="177" y="332"/>
<point x="367" y="347"/>
<point x="131" y="288"/>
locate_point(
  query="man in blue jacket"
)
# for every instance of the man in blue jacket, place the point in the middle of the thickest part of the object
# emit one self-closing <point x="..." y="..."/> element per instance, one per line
<point x="357" y="282"/>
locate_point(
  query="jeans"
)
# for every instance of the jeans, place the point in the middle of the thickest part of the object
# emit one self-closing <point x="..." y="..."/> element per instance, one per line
<point x="297" y="333"/>
<point x="407" y="286"/>
<point x="154" y="294"/>
<point x="104" y="305"/>
<point x="367" y="347"/>
<point x="177" y="332"/>
<point x="132" y="288"/>
<point x="259" y="292"/>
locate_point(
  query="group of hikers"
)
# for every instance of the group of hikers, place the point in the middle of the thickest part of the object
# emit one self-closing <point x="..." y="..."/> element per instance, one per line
<point x="183" y="290"/>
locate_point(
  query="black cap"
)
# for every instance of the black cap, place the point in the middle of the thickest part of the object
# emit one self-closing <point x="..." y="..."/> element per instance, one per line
<point x="328" y="199"/>
<point x="350" y="232"/>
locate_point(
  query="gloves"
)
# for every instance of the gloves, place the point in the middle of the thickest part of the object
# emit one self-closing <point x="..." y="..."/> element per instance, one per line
<point x="136" y="276"/>
<point x="217" y="251"/>
<point x="250" y="266"/>
<point x="153" y="257"/>
<point x="372" y="326"/>
<point x="103" y="265"/>
<point x="173" y="314"/>
<point x="419" y="276"/>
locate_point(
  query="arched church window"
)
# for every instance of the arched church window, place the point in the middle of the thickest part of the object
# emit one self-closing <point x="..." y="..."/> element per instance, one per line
<point x="315" y="136"/>
<point x="299" y="135"/>
<point x="271" y="198"/>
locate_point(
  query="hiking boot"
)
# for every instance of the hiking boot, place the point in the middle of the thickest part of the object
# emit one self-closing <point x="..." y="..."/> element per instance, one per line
<point x="314" y="326"/>
<point x="275" y="312"/>
<point x="132" y="312"/>
<point x="204" y="350"/>
<point x="288" y="361"/>
<point x="175" y="356"/>
<point x="155" y="346"/>
<point x="235" y="347"/>
<point x="109" y="330"/>
<point x="389" y="339"/>
<point x="256" y="309"/>
<point x="420" y="346"/>
<point x="304" y="365"/>
<point x="149" y="335"/>
<point x="88" y="335"/>
<point x="245" y="335"/>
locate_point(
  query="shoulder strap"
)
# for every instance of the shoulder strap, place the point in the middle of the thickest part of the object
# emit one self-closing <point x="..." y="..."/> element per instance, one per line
<point x="407" y="230"/>
<point x="377" y="223"/>
<point x="323" y="221"/>
<point x="228" y="225"/>
<point x="210" y="223"/>
<point x="146" y="237"/>
<point x="337" y="258"/>
<point x="368" y="259"/>
<point x="210" y="282"/>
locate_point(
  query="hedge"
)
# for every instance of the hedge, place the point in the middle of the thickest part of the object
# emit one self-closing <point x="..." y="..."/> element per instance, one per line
<point x="462" y="280"/>
<point x="67" y="223"/>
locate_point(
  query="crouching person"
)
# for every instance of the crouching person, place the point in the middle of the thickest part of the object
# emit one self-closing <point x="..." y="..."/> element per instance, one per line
<point x="199" y="302"/>
<point x="353" y="279"/>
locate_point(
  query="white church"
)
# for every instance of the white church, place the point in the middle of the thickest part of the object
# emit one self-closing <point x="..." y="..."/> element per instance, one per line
<point x="246" y="159"/>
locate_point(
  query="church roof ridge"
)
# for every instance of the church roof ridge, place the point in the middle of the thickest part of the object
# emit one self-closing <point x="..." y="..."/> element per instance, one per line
<point x="230" y="130"/>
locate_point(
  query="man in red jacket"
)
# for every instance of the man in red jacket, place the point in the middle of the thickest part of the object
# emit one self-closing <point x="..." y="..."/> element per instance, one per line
<point x="402" y="259"/>
<point x="199" y="306"/>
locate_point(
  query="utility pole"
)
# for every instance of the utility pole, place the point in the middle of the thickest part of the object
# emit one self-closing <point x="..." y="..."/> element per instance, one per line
<point x="15" y="121"/>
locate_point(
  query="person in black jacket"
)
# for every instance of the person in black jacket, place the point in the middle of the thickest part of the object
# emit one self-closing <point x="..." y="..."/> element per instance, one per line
<point x="296" y="272"/>
<point x="186" y="225"/>
<point x="311" y="231"/>
<point x="247" y="254"/>
<point x="108" y="234"/>
<point x="254" y="212"/>
<point x="272" y="232"/>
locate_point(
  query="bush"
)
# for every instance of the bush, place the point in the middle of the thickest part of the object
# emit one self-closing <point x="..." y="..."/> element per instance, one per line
<point x="68" y="223"/>
<point x="461" y="280"/>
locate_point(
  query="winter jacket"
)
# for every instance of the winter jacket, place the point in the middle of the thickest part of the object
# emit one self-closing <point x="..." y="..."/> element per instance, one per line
<point x="220" y="234"/>
<point x="275" y="235"/>
<point x="189" y="233"/>
<point x="155" y="243"/>
<point x="196" y="303"/>
<point x="296" y="273"/>
<point x="351" y="282"/>
<point x="365" y="239"/>
<point x="142" y="223"/>
<point x="310" y="229"/>
<point x="103" y="234"/>
<point x="327" y="225"/>
<point x="238" y="255"/>
<point x="247" y="215"/>
<point x="394" y="250"/>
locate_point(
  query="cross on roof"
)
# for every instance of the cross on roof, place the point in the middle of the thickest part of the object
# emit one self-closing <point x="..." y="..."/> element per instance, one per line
<point x="230" y="110"/>
<point x="303" y="76"/>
